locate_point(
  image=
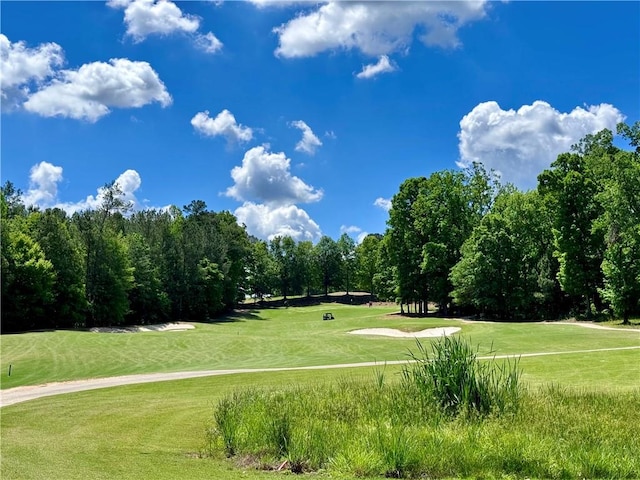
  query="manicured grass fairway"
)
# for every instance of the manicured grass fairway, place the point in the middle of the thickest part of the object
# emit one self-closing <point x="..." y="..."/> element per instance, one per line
<point x="269" y="338"/>
<point x="157" y="430"/>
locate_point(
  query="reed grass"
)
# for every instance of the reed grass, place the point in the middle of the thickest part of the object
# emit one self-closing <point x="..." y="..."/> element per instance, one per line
<point x="447" y="415"/>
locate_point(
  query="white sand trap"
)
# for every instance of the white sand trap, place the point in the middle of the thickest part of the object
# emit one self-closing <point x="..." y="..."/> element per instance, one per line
<point x="392" y="332"/>
<point x="163" y="327"/>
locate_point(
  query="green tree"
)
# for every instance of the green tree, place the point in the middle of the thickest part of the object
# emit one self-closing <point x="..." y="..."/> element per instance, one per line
<point x="218" y="238"/>
<point x="62" y="245"/>
<point x="385" y="279"/>
<point x="260" y="270"/>
<point x="210" y="288"/>
<point x="109" y="275"/>
<point x="571" y="190"/>
<point x="347" y="248"/>
<point x="406" y="243"/>
<point x="367" y="254"/>
<point x="147" y="300"/>
<point x="429" y="220"/>
<point x="502" y="268"/>
<point x="283" y="252"/>
<point x="27" y="277"/>
<point x="12" y="199"/>
<point x="307" y="266"/>
<point x="328" y="259"/>
<point x="443" y="217"/>
<point x="230" y="252"/>
<point x="620" y="221"/>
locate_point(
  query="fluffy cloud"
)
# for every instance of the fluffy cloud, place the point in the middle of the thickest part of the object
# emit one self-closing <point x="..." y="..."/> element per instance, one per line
<point x="43" y="189"/>
<point x="309" y="142"/>
<point x="349" y="229"/>
<point x="208" y="43"/>
<point x="520" y="144"/>
<point x="265" y="221"/>
<point x="270" y="193"/>
<point x="22" y="67"/>
<point x="162" y="17"/>
<point x="148" y="17"/>
<point x="129" y="181"/>
<point x="375" y="28"/>
<point x="224" y="125"/>
<point x="384" y="65"/>
<point x="43" y="185"/>
<point x="266" y="177"/>
<point x="383" y="203"/>
<point x="89" y="92"/>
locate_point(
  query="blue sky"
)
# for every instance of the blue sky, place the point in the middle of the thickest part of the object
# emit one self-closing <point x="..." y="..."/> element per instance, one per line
<point x="302" y="119"/>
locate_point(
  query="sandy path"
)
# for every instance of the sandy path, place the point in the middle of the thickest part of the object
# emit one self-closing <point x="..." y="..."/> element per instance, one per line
<point x="595" y="326"/>
<point x="31" y="392"/>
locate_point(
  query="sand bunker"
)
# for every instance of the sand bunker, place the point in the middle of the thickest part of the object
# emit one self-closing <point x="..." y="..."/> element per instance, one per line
<point x="163" y="327"/>
<point x="392" y="332"/>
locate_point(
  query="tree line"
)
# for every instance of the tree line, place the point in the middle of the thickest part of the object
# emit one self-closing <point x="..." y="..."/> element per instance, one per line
<point x="458" y="239"/>
<point x="112" y="266"/>
<point x="571" y="246"/>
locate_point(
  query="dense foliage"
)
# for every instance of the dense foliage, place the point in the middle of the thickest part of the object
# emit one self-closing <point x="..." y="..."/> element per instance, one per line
<point x="457" y="239"/>
<point x="571" y="246"/>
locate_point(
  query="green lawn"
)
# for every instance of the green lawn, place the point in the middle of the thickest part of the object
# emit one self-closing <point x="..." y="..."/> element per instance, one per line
<point x="156" y="431"/>
<point x="269" y="338"/>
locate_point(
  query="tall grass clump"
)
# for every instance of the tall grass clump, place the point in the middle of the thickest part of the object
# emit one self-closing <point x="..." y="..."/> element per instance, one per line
<point x="453" y="377"/>
<point x="446" y="415"/>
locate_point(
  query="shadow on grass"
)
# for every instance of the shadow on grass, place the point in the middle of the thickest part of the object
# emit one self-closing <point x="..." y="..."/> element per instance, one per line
<point x="353" y="298"/>
<point x="238" y="315"/>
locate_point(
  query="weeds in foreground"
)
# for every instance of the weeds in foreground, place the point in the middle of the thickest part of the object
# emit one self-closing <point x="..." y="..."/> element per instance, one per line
<point x="453" y="418"/>
<point x="452" y="377"/>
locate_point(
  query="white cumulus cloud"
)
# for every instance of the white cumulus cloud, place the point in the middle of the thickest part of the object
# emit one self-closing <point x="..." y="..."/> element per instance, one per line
<point x="89" y="92"/>
<point x="383" y="203"/>
<point x="43" y="185"/>
<point x="350" y="229"/>
<point x="129" y="181"/>
<point x="163" y="17"/>
<point x="44" y="178"/>
<point x="309" y="142"/>
<point x="208" y="43"/>
<point x="22" y="68"/>
<point x="383" y="65"/>
<point x="148" y="17"/>
<point x="266" y="178"/>
<point x="376" y="28"/>
<point x="223" y="125"/>
<point x="519" y="144"/>
<point x="267" y="222"/>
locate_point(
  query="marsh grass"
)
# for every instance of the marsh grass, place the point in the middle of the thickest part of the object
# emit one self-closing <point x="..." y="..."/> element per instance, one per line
<point x="451" y="376"/>
<point x="409" y="425"/>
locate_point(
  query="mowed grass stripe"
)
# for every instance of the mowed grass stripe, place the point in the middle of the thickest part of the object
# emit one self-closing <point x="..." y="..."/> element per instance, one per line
<point x="22" y="394"/>
<point x="269" y="338"/>
<point x="157" y="430"/>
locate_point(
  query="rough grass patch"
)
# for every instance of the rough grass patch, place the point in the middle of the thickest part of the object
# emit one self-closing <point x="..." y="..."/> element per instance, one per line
<point x="453" y="377"/>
